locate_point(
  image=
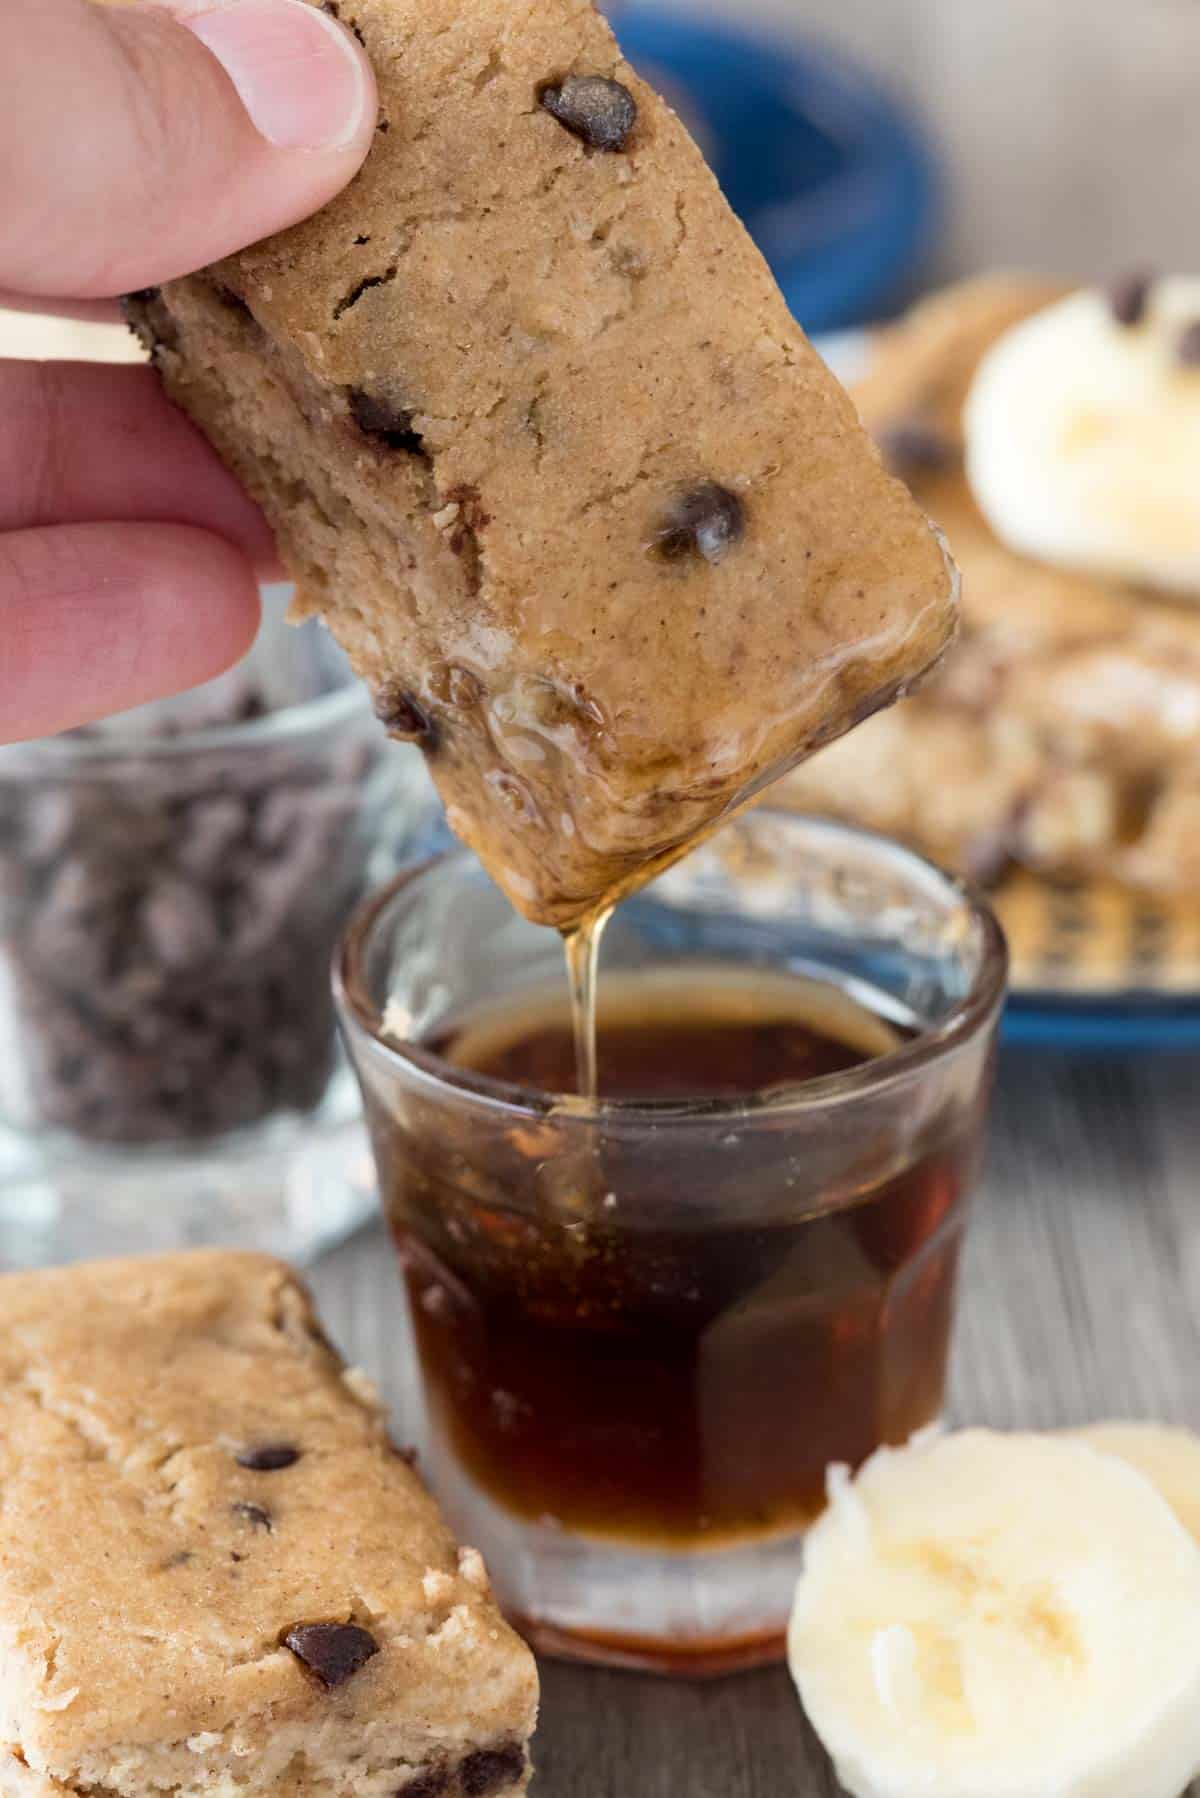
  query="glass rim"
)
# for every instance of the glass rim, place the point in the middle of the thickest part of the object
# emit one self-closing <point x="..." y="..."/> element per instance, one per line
<point x="974" y="1013"/>
<point x="306" y="717"/>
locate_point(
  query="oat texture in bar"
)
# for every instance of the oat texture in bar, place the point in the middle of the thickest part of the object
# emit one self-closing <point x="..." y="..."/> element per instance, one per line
<point x="217" y="1575"/>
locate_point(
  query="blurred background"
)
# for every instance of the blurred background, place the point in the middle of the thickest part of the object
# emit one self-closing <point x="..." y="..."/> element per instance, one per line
<point x="1063" y="135"/>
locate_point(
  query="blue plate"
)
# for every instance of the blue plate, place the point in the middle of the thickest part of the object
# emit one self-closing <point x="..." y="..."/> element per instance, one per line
<point x="1117" y="1024"/>
<point x="833" y="179"/>
<point x="1132" y="1026"/>
<point x="1100" y="968"/>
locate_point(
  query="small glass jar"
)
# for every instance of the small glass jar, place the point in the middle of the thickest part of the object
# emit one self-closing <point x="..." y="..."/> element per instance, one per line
<point x="171" y="885"/>
<point x="645" y="1328"/>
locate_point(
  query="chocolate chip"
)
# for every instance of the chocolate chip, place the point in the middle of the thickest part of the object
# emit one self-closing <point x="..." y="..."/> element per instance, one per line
<point x="267" y="1457"/>
<point x="213" y="827"/>
<point x="708" y="521"/>
<point x="254" y="1515"/>
<point x="177" y="1560"/>
<point x="51" y="819"/>
<point x="392" y="425"/>
<point x="430" y="1784"/>
<point x="292" y="816"/>
<point x="600" y="111"/>
<point x="332" y="1652"/>
<point x="915" y="446"/>
<point x="1128" y="298"/>
<point x="1188" y="348"/>
<point x="153" y="928"/>
<point x="179" y="925"/>
<point x="491" y="1769"/>
<point x="402" y="717"/>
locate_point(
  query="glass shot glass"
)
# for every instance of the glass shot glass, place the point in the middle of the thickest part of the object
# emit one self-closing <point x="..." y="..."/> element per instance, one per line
<point x="645" y="1328"/>
<point x="172" y="884"/>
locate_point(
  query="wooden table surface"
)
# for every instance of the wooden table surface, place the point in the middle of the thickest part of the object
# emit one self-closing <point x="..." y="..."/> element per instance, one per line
<point x="1081" y="1300"/>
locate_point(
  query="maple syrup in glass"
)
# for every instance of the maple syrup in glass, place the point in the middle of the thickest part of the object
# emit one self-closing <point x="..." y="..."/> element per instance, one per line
<point x="647" y="1322"/>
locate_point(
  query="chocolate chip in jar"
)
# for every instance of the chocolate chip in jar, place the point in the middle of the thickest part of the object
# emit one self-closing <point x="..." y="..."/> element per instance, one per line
<point x="48" y="822"/>
<point x="80" y="922"/>
<point x="295" y="815"/>
<point x="211" y="828"/>
<point x="170" y="885"/>
<point x="177" y="920"/>
<point x="240" y="1092"/>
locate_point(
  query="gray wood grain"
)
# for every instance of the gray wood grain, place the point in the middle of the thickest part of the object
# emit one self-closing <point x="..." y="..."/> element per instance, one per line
<point x="1081" y="1300"/>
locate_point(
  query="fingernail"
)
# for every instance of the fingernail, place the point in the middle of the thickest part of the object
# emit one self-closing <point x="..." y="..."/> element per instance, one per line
<point x="296" y="71"/>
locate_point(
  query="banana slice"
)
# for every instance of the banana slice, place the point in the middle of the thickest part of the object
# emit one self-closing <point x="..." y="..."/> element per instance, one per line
<point x="989" y="1616"/>
<point x="1169" y="1458"/>
<point x="1083" y="435"/>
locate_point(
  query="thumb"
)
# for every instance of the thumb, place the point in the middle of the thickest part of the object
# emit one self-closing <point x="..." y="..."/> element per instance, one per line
<point x="141" y="142"/>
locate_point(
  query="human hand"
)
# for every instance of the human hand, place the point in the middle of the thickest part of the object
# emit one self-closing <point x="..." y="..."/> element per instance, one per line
<point x="138" y="143"/>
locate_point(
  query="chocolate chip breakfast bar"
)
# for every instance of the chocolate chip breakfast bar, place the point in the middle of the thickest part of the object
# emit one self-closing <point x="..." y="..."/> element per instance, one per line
<point x="543" y="444"/>
<point x="216" y="1573"/>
